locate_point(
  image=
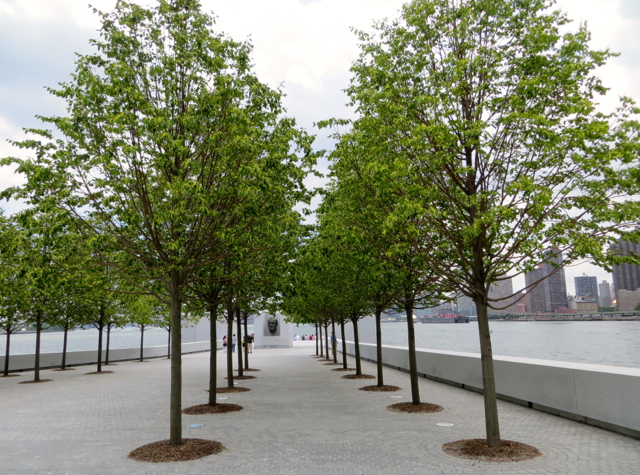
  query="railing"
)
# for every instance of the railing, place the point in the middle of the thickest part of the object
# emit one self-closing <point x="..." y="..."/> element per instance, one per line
<point x="603" y="396"/>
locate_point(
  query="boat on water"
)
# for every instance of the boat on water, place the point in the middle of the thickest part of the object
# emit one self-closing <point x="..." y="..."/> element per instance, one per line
<point x="445" y="319"/>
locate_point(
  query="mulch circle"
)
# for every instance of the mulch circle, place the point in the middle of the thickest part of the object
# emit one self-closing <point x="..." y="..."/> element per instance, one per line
<point x="219" y="408"/>
<point x="111" y="364"/>
<point x="358" y="376"/>
<point x="191" y="449"/>
<point x="10" y="375"/>
<point x="248" y="369"/>
<point x="144" y="361"/>
<point x="35" y="382"/>
<point x="100" y="372"/>
<point x="380" y="389"/>
<point x="333" y="364"/>
<point x="343" y="369"/>
<point x="231" y="390"/>
<point x="477" y="449"/>
<point x="66" y="369"/>
<point x="411" y="408"/>
<point x="243" y="377"/>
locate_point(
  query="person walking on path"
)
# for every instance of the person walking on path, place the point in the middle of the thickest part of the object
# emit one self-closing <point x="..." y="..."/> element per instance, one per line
<point x="234" y="341"/>
<point x="224" y="344"/>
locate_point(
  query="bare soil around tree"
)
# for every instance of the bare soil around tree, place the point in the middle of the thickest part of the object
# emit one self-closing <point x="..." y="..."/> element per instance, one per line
<point x="9" y="375"/>
<point x="35" y="382"/>
<point x="411" y="408"/>
<point x="358" y="376"/>
<point x="207" y="409"/>
<point x="343" y="369"/>
<point x="161" y="452"/>
<point x="333" y="364"/>
<point x="100" y="372"/>
<point x="243" y="377"/>
<point x="66" y="369"/>
<point x="247" y="369"/>
<point x="380" y="389"/>
<point x="477" y="449"/>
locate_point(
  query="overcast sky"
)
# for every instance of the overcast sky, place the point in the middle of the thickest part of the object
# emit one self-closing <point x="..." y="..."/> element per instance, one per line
<point x="305" y="45"/>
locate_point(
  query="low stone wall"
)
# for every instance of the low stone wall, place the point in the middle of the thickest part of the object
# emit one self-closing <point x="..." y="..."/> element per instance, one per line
<point x="77" y="358"/>
<point x="603" y="396"/>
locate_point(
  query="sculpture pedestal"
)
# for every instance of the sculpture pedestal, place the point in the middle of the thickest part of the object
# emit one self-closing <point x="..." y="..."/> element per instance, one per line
<point x="269" y="334"/>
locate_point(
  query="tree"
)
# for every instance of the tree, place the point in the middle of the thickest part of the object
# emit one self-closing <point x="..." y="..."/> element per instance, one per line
<point x="45" y="242"/>
<point x="170" y="141"/>
<point x="13" y="296"/>
<point x="485" y="115"/>
<point x="141" y="312"/>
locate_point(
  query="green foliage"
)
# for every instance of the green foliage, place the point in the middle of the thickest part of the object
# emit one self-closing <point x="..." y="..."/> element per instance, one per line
<point x="480" y="118"/>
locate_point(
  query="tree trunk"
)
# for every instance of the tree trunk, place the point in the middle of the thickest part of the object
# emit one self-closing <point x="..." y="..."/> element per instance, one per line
<point x="229" y="346"/>
<point x="213" y="357"/>
<point x="413" y="366"/>
<point x="316" y="339"/>
<point x="344" y="346"/>
<point x="169" y="344"/>
<point x="379" y="347"/>
<point x="239" y="344"/>
<point x="334" y="343"/>
<point x="106" y="356"/>
<point x="488" y="377"/>
<point x="64" y="349"/>
<point x="100" y="327"/>
<point x="356" y="339"/>
<point x="326" y="340"/>
<point x="321" y="340"/>
<point x="175" y="405"/>
<point x="6" y="354"/>
<point x="36" y="376"/>
<point x="246" y="344"/>
<point x="142" y="343"/>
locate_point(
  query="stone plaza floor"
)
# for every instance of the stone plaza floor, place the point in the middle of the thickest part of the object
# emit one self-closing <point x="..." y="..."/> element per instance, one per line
<point x="299" y="418"/>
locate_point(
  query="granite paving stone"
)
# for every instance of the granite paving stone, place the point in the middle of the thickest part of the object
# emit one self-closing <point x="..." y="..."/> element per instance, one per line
<point x="299" y="418"/>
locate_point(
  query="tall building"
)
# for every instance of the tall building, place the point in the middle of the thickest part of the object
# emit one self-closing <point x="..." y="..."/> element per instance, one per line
<point x="586" y="286"/>
<point x="605" y="294"/>
<point x="625" y="276"/>
<point x="504" y="289"/>
<point x="536" y="295"/>
<point x="551" y="293"/>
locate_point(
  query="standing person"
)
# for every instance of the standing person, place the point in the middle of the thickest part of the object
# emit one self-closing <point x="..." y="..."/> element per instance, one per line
<point x="234" y="341"/>
<point x="334" y="342"/>
<point x="224" y="344"/>
<point x="249" y="340"/>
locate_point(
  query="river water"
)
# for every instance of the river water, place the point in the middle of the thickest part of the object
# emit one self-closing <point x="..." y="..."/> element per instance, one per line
<point x="608" y="343"/>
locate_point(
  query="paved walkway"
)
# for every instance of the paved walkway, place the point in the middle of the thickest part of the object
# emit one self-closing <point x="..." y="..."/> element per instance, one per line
<point x="298" y="418"/>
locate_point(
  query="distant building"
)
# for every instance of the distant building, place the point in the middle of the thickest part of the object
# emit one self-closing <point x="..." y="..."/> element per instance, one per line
<point x="625" y="276"/>
<point x="582" y="305"/>
<point x="536" y="295"/>
<point x="628" y="299"/>
<point x="604" y="289"/>
<point x="586" y="286"/>
<point x="551" y="293"/>
<point x="587" y="306"/>
<point x="504" y="289"/>
<point x="466" y="306"/>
